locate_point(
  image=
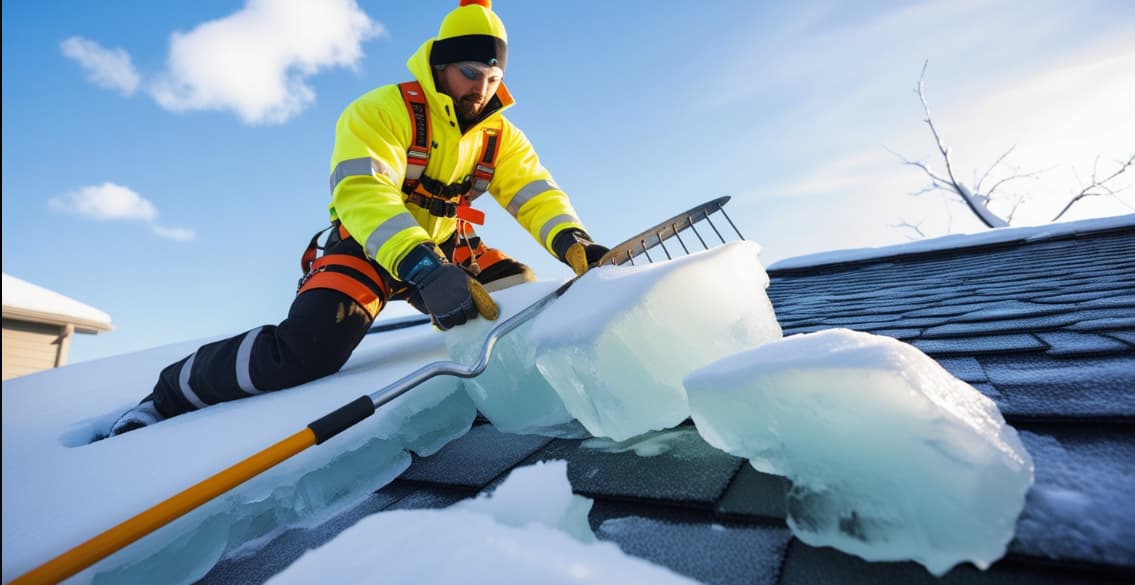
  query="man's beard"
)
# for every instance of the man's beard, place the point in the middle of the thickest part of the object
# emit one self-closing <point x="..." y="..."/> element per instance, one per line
<point x="469" y="108"/>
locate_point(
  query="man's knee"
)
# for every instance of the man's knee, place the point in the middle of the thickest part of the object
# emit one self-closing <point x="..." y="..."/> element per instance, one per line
<point x="321" y="332"/>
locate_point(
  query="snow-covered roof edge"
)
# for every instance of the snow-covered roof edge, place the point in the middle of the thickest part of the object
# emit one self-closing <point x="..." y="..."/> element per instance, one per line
<point x="956" y="241"/>
<point x="27" y="301"/>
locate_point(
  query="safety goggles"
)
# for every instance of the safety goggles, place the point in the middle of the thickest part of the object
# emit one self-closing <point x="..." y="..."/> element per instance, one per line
<point x="476" y="71"/>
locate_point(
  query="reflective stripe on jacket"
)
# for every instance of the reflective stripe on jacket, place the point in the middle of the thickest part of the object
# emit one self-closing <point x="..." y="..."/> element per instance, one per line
<point x="368" y="166"/>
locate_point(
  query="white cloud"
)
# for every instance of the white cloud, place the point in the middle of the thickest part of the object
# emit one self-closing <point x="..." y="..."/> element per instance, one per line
<point x="856" y="173"/>
<point x="256" y="62"/>
<point x="172" y="233"/>
<point x="106" y="201"/>
<point x="109" y="68"/>
<point x="115" y="202"/>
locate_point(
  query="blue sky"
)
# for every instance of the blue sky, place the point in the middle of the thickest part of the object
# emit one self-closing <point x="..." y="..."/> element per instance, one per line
<point x="215" y="139"/>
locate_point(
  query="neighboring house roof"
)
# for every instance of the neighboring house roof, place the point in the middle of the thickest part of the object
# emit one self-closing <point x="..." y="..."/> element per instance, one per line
<point x="28" y="302"/>
<point x="1043" y="324"/>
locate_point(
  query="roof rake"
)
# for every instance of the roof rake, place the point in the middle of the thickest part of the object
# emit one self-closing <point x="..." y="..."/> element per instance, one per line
<point x="317" y="432"/>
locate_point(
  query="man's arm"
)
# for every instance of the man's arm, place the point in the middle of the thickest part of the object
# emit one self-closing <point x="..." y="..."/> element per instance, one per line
<point x="367" y="168"/>
<point x="526" y="189"/>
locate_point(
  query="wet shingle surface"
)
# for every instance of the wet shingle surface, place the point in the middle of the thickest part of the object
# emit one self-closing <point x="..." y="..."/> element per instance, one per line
<point x="1045" y="327"/>
<point x="597" y="467"/>
<point x="495" y="454"/>
<point x="728" y="552"/>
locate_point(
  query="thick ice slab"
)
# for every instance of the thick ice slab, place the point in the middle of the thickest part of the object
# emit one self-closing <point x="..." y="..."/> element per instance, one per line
<point x="616" y="346"/>
<point x="512" y="393"/>
<point x="890" y="456"/>
<point x="531" y="529"/>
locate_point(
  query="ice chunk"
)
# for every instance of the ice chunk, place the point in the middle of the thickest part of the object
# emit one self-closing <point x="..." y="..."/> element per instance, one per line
<point x="890" y="456"/>
<point x="617" y="344"/>
<point x="429" y="416"/>
<point x="511" y="392"/>
<point x="516" y="535"/>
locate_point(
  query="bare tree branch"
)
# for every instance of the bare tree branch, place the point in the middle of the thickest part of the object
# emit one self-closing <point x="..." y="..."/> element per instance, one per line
<point x="1033" y="175"/>
<point x="1013" y="209"/>
<point x="916" y="227"/>
<point x="977" y="183"/>
<point x="927" y="189"/>
<point x="976" y="203"/>
<point x="978" y="199"/>
<point x="942" y="148"/>
<point x="917" y="163"/>
<point x="1097" y="184"/>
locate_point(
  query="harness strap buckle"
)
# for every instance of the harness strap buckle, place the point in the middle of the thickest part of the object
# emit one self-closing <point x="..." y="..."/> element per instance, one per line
<point x="434" y="205"/>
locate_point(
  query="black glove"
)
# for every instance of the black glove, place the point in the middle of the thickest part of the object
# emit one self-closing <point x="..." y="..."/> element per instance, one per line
<point x="143" y="414"/>
<point x="575" y="248"/>
<point x="448" y="293"/>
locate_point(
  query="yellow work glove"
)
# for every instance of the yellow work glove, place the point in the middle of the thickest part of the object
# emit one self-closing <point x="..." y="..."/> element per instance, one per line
<point x="575" y="248"/>
<point x="486" y="306"/>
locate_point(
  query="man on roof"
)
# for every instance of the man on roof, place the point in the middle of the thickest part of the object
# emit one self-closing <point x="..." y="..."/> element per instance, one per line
<point x="409" y="160"/>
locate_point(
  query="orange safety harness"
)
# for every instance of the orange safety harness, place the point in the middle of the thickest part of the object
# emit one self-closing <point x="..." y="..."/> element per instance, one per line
<point x="342" y="272"/>
<point x="437" y="198"/>
<point x="345" y="273"/>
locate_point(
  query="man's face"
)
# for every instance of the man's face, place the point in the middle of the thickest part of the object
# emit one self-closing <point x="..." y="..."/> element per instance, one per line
<point x="471" y="85"/>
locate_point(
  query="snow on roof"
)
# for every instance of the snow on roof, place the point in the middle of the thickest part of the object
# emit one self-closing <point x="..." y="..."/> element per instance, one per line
<point x="955" y="241"/>
<point x="24" y="296"/>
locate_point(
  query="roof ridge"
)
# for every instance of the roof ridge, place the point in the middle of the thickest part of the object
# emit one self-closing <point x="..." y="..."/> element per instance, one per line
<point x="1025" y="238"/>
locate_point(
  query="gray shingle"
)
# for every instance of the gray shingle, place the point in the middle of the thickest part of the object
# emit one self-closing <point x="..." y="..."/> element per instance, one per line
<point x="1080" y="508"/>
<point x="991" y="327"/>
<point x="689" y="471"/>
<point x="476" y="459"/>
<point x="1036" y="385"/>
<point x="726" y="552"/>
<point x="966" y="369"/>
<point x="753" y="493"/>
<point x="1069" y="344"/>
<point x="1018" y="342"/>
<point x="807" y="565"/>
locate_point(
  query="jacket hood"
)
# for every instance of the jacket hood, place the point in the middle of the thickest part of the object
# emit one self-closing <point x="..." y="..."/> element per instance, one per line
<point x="419" y="66"/>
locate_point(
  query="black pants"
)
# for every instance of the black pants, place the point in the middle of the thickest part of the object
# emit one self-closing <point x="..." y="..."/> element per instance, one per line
<point x="321" y="331"/>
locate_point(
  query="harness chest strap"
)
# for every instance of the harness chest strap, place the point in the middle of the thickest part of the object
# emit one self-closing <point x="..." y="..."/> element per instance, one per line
<point x="419" y="154"/>
<point x="419" y="187"/>
<point x="482" y="176"/>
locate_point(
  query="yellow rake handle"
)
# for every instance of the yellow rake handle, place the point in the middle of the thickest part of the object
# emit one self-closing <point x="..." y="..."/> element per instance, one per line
<point x="103" y="545"/>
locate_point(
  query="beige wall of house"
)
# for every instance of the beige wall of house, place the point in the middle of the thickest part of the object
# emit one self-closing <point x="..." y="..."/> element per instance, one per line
<point x="31" y="347"/>
<point x="38" y="325"/>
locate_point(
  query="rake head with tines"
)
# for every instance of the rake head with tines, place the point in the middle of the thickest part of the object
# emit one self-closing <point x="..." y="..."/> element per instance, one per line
<point x="657" y="236"/>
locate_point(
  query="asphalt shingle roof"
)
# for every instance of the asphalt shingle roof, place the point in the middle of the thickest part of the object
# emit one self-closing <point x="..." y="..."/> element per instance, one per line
<point x="1044" y="327"/>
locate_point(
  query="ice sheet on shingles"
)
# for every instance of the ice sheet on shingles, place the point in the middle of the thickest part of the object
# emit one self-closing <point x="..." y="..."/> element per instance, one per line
<point x="890" y="456"/>
<point x="617" y="344"/>
<point x="511" y="392"/>
<point x="531" y="529"/>
<point x="49" y="418"/>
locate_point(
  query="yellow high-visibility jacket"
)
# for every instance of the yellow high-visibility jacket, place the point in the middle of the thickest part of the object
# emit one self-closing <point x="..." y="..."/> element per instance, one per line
<point x="368" y="166"/>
